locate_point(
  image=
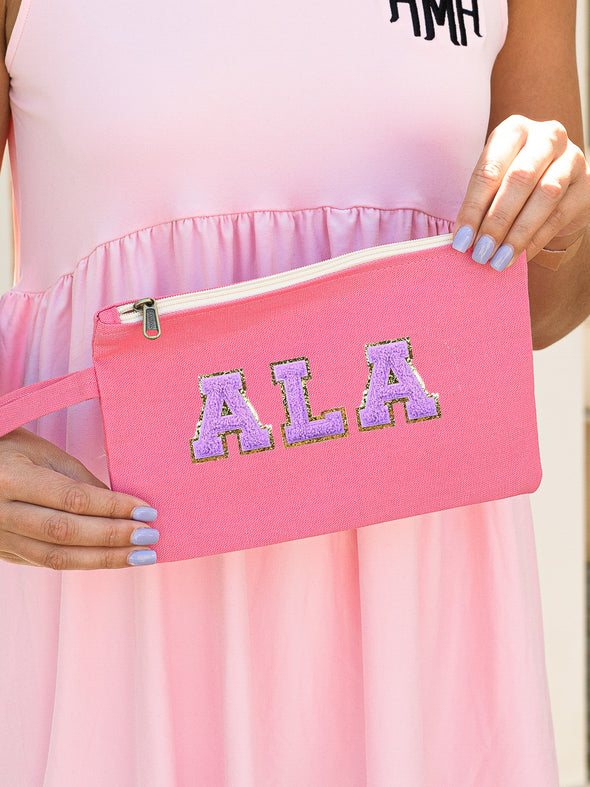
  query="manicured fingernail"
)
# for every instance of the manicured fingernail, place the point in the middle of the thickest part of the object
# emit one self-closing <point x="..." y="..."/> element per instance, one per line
<point x="141" y="557"/>
<point x="463" y="239"/>
<point x="144" y="536"/>
<point x="483" y="249"/>
<point x="502" y="257"/>
<point x="144" y="514"/>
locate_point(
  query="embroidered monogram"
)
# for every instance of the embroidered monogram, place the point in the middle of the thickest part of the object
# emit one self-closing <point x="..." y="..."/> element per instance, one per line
<point x="450" y="13"/>
<point x="393" y="378"/>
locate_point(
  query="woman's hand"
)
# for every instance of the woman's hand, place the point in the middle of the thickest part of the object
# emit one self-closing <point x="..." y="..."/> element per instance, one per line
<point x="55" y="513"/>
<point x="530" y="190"/>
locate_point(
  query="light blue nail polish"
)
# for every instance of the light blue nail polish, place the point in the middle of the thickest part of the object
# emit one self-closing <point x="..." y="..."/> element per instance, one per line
<point x="144" y="514"/>
<point x="142" y="557"/>
<point x="144" y="536"/>
<point x="463" y="239"/>
<point x="502" y="257"/>
<point x="483" y="249"/>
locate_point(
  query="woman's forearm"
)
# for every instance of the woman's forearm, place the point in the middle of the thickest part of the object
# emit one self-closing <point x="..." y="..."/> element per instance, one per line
<point x="559" y="300"/>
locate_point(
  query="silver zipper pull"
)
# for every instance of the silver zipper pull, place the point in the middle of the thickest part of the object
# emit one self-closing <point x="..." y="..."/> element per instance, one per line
<point x="151" y="321"/>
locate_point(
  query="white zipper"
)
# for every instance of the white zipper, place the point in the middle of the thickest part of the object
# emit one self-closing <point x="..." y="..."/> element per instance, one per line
<point x="136" y="312"/>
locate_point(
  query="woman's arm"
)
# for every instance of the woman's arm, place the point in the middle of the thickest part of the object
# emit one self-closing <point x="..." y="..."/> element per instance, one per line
<point x="531" y="187"/>
<point x="8" y="12"/>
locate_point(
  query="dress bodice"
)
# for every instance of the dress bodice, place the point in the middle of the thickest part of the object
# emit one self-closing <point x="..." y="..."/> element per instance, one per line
<point x="130" y="115"/>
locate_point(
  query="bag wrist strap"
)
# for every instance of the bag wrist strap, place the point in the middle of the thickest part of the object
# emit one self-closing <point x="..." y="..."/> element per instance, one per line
<point x="26" y="404"/>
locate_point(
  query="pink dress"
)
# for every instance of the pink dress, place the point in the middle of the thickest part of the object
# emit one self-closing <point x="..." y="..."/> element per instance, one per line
<point x="167" y="147"/>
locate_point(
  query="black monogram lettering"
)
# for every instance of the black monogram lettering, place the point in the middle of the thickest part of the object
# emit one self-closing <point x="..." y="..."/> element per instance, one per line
<point x="449" y="13"/>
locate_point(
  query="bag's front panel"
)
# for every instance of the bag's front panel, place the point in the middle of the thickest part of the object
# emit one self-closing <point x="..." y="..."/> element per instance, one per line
<point x="392" y="389"/>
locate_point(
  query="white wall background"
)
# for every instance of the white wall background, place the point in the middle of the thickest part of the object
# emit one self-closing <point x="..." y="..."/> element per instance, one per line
<point x="558" y="511"/>
<point x="559" y="514"/>
<point x="558" y="508"/>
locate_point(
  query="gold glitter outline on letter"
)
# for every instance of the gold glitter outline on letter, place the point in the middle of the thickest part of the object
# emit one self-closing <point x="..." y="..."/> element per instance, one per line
<point x="307" y="405"/>
<point x="237" y="432"/>
<point x="403" y="399"/>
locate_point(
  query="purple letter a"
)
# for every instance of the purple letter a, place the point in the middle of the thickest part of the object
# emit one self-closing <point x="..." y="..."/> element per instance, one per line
<point x="393" y="378"/>
<point x="226" y="410"/>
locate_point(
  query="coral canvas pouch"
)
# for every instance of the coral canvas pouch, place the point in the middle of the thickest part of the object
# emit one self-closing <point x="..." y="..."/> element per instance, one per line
<point x="386" y="383"/>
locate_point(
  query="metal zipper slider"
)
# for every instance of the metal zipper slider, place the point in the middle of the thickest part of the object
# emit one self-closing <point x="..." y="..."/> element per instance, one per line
<point x="151" y="320"/>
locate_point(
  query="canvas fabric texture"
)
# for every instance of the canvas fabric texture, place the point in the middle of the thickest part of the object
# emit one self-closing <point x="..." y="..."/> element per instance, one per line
<point x="197" y="385"/>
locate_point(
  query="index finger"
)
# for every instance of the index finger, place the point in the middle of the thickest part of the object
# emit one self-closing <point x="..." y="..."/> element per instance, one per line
<point x="502" y="147"/>
<point x="42" y="486"/>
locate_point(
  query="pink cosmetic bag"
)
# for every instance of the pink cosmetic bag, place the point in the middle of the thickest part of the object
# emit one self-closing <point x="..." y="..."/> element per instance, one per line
<point x="389" y="382"/>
